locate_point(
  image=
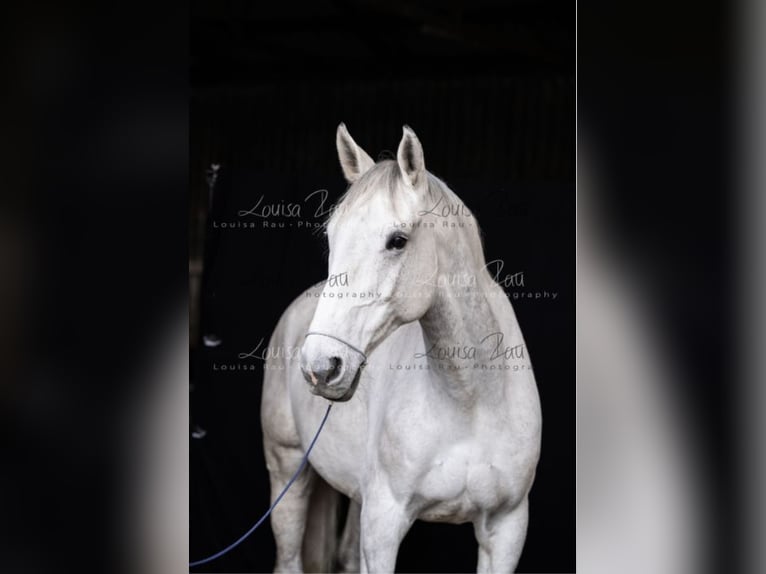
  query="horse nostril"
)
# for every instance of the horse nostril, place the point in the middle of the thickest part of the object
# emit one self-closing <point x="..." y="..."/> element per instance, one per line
<point x="325" y="373"/>
<point x="335" y="366"/>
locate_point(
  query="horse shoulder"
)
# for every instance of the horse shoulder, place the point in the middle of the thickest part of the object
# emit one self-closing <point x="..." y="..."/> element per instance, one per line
<point x="277" y="417"/>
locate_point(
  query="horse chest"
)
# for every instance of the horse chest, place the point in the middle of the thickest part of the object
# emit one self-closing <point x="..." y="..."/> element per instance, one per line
<point x="459" y="484"/>
<point x="451" y="480"/>
<point x="450" y="473"/>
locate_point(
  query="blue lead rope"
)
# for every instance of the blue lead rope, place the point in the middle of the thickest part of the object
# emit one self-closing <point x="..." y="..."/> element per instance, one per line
<point x="274" y="504"/>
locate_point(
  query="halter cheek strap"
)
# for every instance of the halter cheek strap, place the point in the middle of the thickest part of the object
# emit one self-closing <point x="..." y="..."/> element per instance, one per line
<point x="349" y="345"/>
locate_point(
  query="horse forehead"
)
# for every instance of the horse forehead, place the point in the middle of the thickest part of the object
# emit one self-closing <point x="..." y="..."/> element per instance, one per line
<point x="368" y="218"/>
<point x="379" y="208"/>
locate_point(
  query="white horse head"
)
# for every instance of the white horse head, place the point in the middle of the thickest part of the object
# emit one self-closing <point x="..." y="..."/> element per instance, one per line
<point x="379" y="263"/>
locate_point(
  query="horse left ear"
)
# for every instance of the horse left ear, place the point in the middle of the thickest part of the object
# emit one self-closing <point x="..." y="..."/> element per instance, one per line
<point x="353" y="160"/>
<point x="410" y="158"/>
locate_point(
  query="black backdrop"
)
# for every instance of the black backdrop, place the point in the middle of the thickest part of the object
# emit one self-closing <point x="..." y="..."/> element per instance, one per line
<point x="489" y="90"/>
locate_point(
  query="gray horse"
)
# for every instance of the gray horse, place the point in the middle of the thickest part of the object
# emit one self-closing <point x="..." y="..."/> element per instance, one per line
<point x="437" y="415"/>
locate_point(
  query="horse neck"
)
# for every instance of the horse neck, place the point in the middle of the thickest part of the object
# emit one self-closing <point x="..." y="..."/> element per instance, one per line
<point x="458" y="330"/>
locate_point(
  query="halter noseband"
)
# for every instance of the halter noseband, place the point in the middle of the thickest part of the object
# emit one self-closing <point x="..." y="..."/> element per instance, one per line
<point x="349" y="345"/>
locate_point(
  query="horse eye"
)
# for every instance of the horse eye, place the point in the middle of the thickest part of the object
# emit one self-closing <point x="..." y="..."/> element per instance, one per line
<point x="396" y="242"/>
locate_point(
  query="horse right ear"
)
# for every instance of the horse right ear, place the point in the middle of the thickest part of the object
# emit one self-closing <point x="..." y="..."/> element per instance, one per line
<point x="353" y="159"/>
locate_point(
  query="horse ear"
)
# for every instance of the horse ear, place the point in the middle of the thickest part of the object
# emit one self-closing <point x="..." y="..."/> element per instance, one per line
<point x="353" y="160"/>
<point x="410" y="158"/>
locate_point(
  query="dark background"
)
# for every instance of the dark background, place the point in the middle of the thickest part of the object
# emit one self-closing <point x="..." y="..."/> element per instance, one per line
<point x="489" y="89"/>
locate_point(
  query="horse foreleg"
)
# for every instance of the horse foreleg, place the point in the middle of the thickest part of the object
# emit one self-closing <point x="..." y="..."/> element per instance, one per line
<point x="348" y="555"/>
<point x="383" y="524"/>
<point x="501" y="539"/>
<point x="288" y="520"/>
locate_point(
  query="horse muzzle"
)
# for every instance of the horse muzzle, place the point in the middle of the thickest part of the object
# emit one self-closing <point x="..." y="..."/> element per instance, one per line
<point x="331" y="369"/>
